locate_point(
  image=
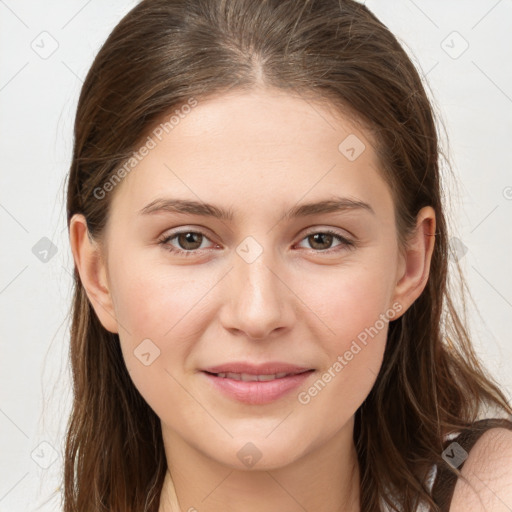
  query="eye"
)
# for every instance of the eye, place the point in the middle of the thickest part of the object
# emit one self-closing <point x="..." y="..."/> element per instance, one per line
<point x="321" y="241"/>
<point x="190" y="242"/>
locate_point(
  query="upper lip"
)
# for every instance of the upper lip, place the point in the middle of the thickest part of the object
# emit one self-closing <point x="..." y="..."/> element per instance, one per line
<point x="257" y="369"/>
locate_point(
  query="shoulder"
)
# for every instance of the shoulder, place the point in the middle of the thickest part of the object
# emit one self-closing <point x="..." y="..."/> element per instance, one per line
<point x="488" y="470"/>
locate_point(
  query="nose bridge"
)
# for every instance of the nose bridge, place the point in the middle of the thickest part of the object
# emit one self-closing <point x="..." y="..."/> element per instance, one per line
<point x="258" y="301"/>
<point x="258" y="281"/>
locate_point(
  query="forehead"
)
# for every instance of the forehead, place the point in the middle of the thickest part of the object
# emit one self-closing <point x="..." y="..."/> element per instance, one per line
<point x="267" y="145"/>
<point x="268" y="117"/>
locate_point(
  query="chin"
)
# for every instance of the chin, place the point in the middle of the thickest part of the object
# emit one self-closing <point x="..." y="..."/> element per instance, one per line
<point x="258" y="455"/>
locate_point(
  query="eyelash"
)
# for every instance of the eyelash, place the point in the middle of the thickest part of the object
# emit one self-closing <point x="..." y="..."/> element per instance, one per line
<point x="345" y="243"/>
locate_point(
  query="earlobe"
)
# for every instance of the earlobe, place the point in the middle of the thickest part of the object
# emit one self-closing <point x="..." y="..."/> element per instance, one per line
<point x="415" y="264"/>
<point x="92" y="270"/>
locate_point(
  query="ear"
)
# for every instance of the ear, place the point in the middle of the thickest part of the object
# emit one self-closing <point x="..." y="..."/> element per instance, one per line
<point x="414" y="266"/>
<point x="91" y="267"/>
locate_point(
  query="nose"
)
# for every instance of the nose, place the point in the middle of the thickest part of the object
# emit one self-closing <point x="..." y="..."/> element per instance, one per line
<point x="259" y="301"/>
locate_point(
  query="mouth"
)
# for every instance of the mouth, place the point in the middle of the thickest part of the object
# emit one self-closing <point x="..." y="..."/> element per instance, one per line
<point x="247" y="377"/>
<point x="257" y="389"/>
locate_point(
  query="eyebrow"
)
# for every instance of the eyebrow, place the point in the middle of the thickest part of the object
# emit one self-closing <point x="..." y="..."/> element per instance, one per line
<point x="337" y="204"/>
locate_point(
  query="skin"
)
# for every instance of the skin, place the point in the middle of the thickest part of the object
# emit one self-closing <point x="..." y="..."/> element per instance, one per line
<point x="259" y="154"/>
<point x="488" y="471"/>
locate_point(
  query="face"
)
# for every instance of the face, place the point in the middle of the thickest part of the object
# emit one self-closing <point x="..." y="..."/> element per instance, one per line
<point x="274" y="282"/>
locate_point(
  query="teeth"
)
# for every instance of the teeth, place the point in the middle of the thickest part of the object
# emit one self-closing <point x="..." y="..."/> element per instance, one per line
<point x="246" y="377"/>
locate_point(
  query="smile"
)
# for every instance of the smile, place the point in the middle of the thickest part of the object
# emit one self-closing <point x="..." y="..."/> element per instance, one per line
<point x="256" y="389"/>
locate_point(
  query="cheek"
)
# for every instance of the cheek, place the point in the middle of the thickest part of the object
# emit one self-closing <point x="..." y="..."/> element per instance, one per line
<point x="354" y="309"/>
<point x="153" y="301"/>
<point x="158" y="308"/>
<point x="354" y="355"/>
<point x="167" y="305"/>
<point x="348" y="300"/>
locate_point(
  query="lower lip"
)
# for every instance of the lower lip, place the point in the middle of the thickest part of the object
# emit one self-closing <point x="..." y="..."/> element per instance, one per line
<point x="257" y="392"/>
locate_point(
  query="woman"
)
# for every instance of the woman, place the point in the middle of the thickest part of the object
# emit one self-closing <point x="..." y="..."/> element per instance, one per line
<point x="261" y="316"/>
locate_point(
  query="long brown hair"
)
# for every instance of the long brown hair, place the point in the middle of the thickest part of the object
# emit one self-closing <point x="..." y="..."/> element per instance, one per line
<point x="162" y="54"/>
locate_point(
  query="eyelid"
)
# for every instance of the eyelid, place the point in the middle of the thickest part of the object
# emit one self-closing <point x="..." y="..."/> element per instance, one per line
<point x="332" y="231"/>
<point x="205" y="232"/>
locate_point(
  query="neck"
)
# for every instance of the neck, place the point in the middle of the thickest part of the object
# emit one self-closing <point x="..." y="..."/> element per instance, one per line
<point x="326" y="479"/>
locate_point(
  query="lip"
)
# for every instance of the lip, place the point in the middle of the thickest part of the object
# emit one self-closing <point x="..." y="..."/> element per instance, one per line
<point x="257" y="392"/>
<point x="270" y="368"/>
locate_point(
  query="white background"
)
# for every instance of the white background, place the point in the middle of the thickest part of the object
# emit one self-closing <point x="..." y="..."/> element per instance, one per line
<point x="38" y="97"/>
